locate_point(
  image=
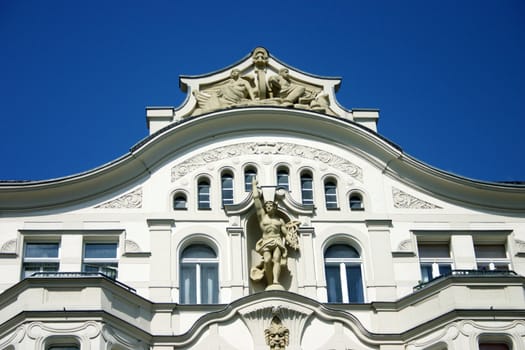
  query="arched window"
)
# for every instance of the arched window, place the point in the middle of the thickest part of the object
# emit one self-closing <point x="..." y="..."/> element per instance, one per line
<point x="199" y="275"/>
<point x="307" y="190"/>
<point x="203" y="189"/>
<point x="227" y="188"/>
<point x="356" y="201"/>
<point x="330" y="194"/>
<point x="179" y="201"/>
<point x="249" y="174"/>
<point x="344" y="281"/>
<point x="283" y="178"/>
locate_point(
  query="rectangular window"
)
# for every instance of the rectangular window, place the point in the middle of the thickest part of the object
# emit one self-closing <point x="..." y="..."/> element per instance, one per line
<point x="101" y="257"/>
<point x="434" y="260"/>
<point x="40" y="257"/>
<point x="491" y="257"/>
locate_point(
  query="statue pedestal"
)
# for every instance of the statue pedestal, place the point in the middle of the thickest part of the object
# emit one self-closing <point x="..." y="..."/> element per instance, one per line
<point x="275" y="286"/>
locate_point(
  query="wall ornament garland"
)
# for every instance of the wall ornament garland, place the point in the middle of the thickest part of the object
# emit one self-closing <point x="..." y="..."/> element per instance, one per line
<point x="407" y="201"/>
<point x="266" y="148"/>
<point x="129" y="200"/>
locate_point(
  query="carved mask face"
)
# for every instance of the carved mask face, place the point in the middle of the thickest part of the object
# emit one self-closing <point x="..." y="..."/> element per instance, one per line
<point x="235" y="74"/>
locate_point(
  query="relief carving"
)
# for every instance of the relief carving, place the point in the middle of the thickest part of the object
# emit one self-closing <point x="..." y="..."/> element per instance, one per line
<point x="9" y="247"/>
<point x="132" y="247"/>
<point x="277" y="335"/>
<point x="274" y="148"/>
<point x="260" y="86"/>
<point x="407" y="201"/>
<point x="129" y="200"/>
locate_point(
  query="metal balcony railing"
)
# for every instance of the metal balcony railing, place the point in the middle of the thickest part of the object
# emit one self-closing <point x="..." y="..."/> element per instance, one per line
<point x="463" y="273"/>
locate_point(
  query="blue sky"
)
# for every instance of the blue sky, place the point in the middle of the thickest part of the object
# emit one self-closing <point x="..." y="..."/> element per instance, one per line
<point x="448" y="76"/>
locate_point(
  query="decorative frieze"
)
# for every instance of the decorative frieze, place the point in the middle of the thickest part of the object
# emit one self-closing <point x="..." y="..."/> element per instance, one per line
<point x="407" y="201"/>
<point x="8" y="248"/>
<point x="266" y="148"/>
<point x="128" y="201"/>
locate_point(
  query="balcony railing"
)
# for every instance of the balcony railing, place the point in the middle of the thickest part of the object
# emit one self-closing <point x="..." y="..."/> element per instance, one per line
<point x="80" y="275"/>
<point x="469" y="273"/>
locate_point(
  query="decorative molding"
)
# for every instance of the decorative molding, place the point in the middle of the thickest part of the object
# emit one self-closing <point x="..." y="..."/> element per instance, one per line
<point x="14" y="338"/>
<point x="265" y="148"/>
<point x="259" y="317"/>
<point x="129" y="200"/>
<point x="407" y="201"/>
<point x="120" y="339"/>
<point x="9" y="247"/>
<point x="520" y="247"/>
<point x="405" y="248"/>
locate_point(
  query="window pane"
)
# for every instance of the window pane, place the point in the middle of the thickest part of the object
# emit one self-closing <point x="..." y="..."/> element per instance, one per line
<point x="188" y="289"/>
<point x="355" y="283"/>
<point x="227" y="189"/>
<point x="41" y="250"/>
<point x="445" y="269"/>
<point x="492" y="251"/>
<point x="179" y="202"/>
<point x="434" y="251"/>
<point x="330" y="190"/>
<point x="426" y="273"/>
<point x="282" y="179"/>
<point x="100" y="251"/>
<point x="341" y="251"/>
<point x="204" y="195"/>
<point x="248" y="177"/>
<point x="199" y="251"/>
<point x="209" y="284"/>
<point x="356" y="202"/>
<point x="333" y="284"/>
<point x="108" y="269"/>
<point x="30" y="268"/>
<point x="307" y="189"/>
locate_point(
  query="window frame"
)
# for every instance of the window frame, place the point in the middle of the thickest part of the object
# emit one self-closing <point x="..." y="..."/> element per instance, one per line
<point x="343" y="264"/>
<point x="105" y="265"/>
<point x="281" y="173"/>
<point x="204" y="198"/>
<point x="43" y="261"/>
<point x="231" y="190"/>
<point x="361" y="201"/>
<point x="307" y="176"/>
<point x="249" y="173"/>
<point x="495" y="262"/>
<point x="178" y="195"/>
<point x="331" y="199"/>
<point x="198" y="263"/>
<point x="439" y="265"/>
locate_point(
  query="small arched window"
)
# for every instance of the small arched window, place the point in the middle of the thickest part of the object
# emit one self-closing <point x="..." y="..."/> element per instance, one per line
<point x="199" y="275"/>
<point x="283" y="178"/>
<point x="249" y="174"/>
<point x="203" y="189"/>
<point x="227" y="188"/>
<point x="330" y="194"/>
<point x="356" y="201"/>
<point x="179" y="201"/>
<point x="344" y="281"/>
<point x="307" y="190"/>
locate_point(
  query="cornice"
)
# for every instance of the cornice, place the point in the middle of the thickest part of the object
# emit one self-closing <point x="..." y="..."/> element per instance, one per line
<point x="153" y="151"/>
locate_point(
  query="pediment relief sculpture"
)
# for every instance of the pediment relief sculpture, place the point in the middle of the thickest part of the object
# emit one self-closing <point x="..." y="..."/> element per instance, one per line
<point x="261" y="82"/>
<point x="276" y="237"/>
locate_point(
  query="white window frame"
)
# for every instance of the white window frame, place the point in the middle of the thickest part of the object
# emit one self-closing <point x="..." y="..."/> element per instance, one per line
<point x="227" y="200"/>
<point x="493" y="262"/>
<point x="40" y="261"/>
<point x="331" y="201"/>
<point x="304" y="189"/>
<point x="198" y="262"/>
<point x="435" y="262"/>
<point x="283" y="173"/>
<point x="101" y="263"/>
<point x="203" y="204"/>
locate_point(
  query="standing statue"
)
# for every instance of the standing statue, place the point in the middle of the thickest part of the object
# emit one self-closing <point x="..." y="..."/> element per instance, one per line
<point x="276" y="234"/>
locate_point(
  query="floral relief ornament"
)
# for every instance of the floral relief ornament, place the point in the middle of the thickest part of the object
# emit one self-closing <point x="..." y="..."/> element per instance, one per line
<point x="265" y="148"/>
<point x="405" y="200"/>
<point x="129" y="200"/>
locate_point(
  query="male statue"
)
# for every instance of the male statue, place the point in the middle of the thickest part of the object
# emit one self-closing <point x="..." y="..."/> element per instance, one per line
<point x="275" y="234"/>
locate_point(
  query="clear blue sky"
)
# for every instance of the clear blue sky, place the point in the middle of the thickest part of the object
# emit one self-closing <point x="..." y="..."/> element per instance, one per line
<point x="448" y="76"/>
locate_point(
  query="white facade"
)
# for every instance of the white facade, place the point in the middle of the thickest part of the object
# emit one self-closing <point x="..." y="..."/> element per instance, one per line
<point x="379" y="223"/>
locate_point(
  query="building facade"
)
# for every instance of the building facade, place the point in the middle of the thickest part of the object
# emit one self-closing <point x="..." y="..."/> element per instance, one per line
<point x="261" y="214"/>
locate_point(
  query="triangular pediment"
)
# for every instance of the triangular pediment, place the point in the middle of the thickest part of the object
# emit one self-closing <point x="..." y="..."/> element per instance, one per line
<point x="259" y="79"/>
